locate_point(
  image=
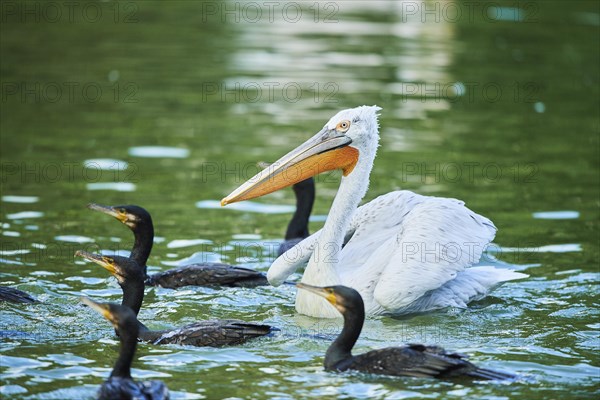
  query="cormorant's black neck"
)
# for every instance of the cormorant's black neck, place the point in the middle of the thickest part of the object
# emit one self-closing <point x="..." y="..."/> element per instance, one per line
<point x="305" y="198"/>
<point x="133" y="294"/>
<point x="128" y="335"/>
<point x="144" y="239"/>
<point x="341" y="348"/>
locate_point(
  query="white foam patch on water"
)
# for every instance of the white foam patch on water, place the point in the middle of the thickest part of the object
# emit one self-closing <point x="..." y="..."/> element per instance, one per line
<point x="176" y="244"/>
<point x="552" y="248"/>
<point x="200" y="257"/>
<point x="106" y="164"/>
<point x="248" y="206"/>
<point x="158" y="152"/>
<point x="25" y="215"/>
<point x="86" y="280"/>
<point x="247" y="236"/>
<point x="556" y="215"/>
<point x="118" y="186"/>
<point x="268" y="370"/>
<point x="13" y="252"/>
<point x="7" y="390"/>
<point x="74" y="239"/>
<point x="20" y="199"/>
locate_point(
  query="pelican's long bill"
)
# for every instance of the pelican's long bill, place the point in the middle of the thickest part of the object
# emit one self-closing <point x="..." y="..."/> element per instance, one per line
<point x="105" y="262"/>
<point x="327" y="150"/>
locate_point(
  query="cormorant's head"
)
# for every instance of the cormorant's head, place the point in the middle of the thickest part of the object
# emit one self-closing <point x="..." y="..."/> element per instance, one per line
<point x="135" y="217"/>
<point x="122" y="268"/>
<point x="118" y="315"/>
<point x="343" y="298"/>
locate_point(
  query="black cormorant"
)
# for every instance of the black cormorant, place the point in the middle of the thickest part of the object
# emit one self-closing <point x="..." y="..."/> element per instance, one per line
<point x="120" y="384"/>
<point x="414" y="360"/>
<point x="214" y="333"/>
<point x="13" y="295"/>
<point x="139" y="221"/>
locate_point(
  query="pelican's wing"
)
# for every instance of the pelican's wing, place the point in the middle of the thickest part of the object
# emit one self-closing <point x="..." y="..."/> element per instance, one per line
<point x="406" y="245"/>
<point x="371" y="228"/>
<point x="368" y="228"/>
<point x="471" y="284"/>
<point x="432" y="241"/>
<point x="287" y="263"/>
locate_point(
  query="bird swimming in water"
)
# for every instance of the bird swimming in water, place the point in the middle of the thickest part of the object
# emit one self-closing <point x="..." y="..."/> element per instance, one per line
<point x="213" y="333"/>
<point x="404" y="253"/>
<point x="13" y="295"/>
<point x="297" y="229"/>
<point x="140" y="222"/>
<point x="413" y="360"/>
<point x="120" y="384"/>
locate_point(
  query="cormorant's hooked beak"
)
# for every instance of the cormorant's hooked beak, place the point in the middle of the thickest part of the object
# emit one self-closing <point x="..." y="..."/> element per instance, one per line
<point x="326" y="151"/>
<point x="327" y="293"/>
<point x="103" y="261"/>
<point x="101" y="308"/>
<point x="108" y="210"/>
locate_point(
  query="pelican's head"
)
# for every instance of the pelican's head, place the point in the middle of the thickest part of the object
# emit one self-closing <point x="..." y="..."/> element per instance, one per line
<point x="135" y="217"/>
<point x="346" y="138"/>
<point x="359" y="124"/>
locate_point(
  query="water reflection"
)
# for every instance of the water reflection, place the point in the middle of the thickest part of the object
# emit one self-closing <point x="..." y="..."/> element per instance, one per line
<point x="313" y="60"/>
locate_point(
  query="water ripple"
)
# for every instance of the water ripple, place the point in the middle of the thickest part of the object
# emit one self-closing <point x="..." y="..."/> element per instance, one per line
<point x="106" y="164"/>
<point x="158" y="152"/>
<point x="20" y="199"/>
<point x="556" y="215"/>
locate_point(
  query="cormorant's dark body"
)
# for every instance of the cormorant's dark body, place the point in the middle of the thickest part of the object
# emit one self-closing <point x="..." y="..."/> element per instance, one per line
<point x="208" y="274"/>
<point x="413" y="360"/>
<point x="125" y="389"/>
<point x="13" y="295"/>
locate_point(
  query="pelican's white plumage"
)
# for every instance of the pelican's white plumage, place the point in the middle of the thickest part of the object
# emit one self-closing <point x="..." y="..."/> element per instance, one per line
<point x="403" y="252"/>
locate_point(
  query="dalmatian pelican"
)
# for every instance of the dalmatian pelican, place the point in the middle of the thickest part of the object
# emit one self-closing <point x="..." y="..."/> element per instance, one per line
<point x="403" y="252"/>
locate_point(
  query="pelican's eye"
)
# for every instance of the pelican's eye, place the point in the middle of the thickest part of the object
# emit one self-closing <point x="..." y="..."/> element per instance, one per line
<point x="343" y="126"/>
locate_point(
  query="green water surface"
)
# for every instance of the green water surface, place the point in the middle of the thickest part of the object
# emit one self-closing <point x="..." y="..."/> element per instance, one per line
<point x="494" y="103"/>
